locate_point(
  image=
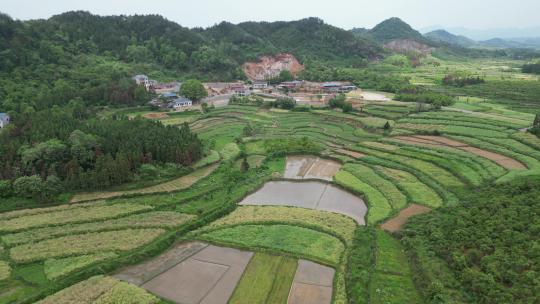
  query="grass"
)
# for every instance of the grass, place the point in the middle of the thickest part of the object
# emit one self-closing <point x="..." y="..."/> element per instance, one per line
<point x="267" y="279"/>
<point x="211" y="158"/>
<point x="391" y="281"/>
<point x="298" y="241"/>
<point x="417" y="191"/>
<point x="74" y="215"/>
<point x="379" y="207"/>
<point x="81" y="244"/>
<point x="5" y="270"/>
<point x="157" y="219"/>
<point x="334" y="223"/>
<point x="56" y="268"/>
<point x="230" y="151"/>
<point x="388" y="288"/>
<point x="102" y="290"/>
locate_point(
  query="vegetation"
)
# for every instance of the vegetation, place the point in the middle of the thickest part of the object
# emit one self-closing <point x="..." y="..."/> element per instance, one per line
<point x="487" y="244"/>
<point x="56" y="268"/>
<point x="532" y="68"/>
<point x="293" y="240"/>
<point x="84" y="244"/>
<point x="332" y="223"/>
<point x="267" y="279"/>
<point x="193" y="89"/>
<point x="100" y="289"/>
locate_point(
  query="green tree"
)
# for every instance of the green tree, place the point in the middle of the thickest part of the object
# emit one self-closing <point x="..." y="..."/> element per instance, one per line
<point x="193" y="89"/>
<point x="29" y="186"/>
<point x="244" y="167"/>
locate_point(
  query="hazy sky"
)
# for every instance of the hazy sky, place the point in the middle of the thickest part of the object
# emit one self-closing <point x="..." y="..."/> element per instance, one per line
<point x="343" y="13"/>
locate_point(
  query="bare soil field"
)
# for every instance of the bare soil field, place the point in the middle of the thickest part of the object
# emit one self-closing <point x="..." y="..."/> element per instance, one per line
<point x="352" y="154"/>
<point x="312" y="195"/>
<point x="207" y="277"/>
<point x="374" y="96"/>
<point x="310" y="167"/>
<point x="155" y="115"/>
<point x="395" y="224"/>
<point x="173" y="185"/>
<point x="312" y="284"/>
<point x="142" y="273"/>
<point x="439" y="141"/>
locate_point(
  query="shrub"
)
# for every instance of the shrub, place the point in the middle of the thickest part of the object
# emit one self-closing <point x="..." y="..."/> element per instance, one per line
<point x="5" y="188"/>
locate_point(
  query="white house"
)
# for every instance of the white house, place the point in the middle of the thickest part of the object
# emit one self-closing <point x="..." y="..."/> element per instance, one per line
<point x="258" y="85"/>
<point x="4" y="120"/>
<point x="180" y="103"/>
<point x="141" y="80"/>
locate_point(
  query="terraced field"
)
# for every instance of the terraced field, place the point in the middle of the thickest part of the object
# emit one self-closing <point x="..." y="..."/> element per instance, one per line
<point x="281" y="225"/>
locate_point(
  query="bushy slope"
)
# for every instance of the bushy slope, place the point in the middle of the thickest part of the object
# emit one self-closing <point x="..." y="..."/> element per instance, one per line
<point x="395" y="28"/>
<point x="446" y="37"/>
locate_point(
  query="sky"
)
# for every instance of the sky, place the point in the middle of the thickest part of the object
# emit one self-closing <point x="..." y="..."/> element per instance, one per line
<point x="478" y="14"/>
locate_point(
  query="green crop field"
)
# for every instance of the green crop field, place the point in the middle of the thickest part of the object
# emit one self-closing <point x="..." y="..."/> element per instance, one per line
<point x="267" y="279"/>
<point x="294" y="240"/>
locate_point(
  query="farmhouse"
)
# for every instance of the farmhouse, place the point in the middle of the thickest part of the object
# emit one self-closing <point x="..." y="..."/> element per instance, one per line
<point x="239" y="89"/>
<point x="259" y="85"/>
<point x="141" y="80"/>
<point x="290" y="85"/>
<point x="4" y="120"/>
<point x="180" y="103"/>
<point x="338" y="87"/>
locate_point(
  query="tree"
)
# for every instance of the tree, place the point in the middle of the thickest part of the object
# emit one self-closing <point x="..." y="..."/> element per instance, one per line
<point x="245" y="165"/>
<point x="536" y="122"/>
<point x="193" y="89"/>
<point x="248" y="130"/>
<point x="5" y="188"/>
<point x="387" y="126"/>
<point x="28" y="186"/>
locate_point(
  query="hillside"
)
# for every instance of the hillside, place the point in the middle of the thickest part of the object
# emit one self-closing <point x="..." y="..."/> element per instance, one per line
<point x="394" y="29"/>
<point x="449" y="38"/>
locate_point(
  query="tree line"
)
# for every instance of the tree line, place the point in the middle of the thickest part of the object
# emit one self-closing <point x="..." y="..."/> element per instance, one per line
<point x="53" y="149"/>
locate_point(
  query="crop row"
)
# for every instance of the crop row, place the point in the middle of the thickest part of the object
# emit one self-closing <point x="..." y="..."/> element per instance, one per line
<point x="74" y="215"/>
<point x="439" y="174"/>
<point x="396" y="199"/>
<point x="295" y="240"/>
<point x="57" y="268"/>
<point x="417" y="191"/>
<point x="453" y="123"/>
<point x="379" y="206"/>
<point x="82" y="244"/>
<point x="332" y="222"/>
<point x="157" y="219"/>
<point x="101" y="290"/>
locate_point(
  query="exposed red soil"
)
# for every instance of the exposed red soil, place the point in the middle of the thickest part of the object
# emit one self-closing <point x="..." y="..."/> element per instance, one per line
<point x="270" y="66"/>
<point x="408" y="45"/>
<point x="395" y="224"/>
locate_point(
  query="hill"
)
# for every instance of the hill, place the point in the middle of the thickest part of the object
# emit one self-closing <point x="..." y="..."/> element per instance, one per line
<point x="449" y="38"/>
<point x="394" y="29"/>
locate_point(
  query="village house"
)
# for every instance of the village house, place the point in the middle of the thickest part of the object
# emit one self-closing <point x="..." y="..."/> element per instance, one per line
<point x="141" y="80"/>
<point x="337" y="87"/>
<point x="239" y="89"/>
<point x="180" y="103"/>
<point x="4" y="120"/>
<point x="260" y="85"/>
<point x="290" y="85"/>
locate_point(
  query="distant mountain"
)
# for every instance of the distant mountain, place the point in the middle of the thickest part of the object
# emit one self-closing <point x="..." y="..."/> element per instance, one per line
<point x="486" y="34"/>
<point x="396" y="29"/>
<point x="449" y="38"/>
